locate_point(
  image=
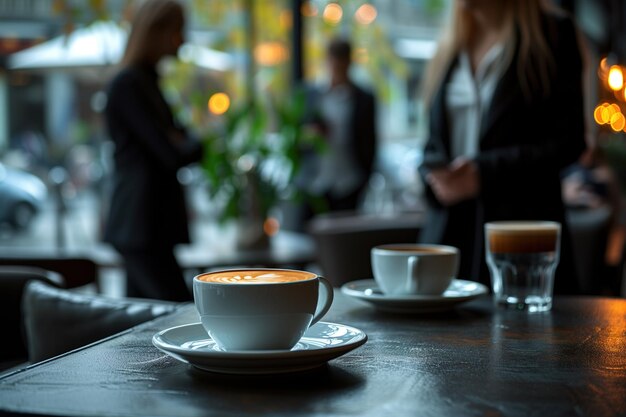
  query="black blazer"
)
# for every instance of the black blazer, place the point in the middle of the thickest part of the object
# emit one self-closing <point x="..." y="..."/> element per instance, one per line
<point x="524" y="144"/>
<point x="364" y="129"/>
<point x="147" y="207"/>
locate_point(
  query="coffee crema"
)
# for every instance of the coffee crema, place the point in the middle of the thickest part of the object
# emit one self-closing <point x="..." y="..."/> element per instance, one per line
<point x="414" y="249"/>
<point x="256" y="276"/>
<point x="523" y="237"/>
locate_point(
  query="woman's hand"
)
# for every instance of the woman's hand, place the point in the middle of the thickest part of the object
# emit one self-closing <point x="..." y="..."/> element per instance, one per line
<point x="457" y="182"/>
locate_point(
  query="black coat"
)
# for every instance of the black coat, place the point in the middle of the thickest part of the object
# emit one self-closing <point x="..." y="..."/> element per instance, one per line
<point x="147" y="207"/>
<point x="524" y="144"/>
<point x="364" y="130"/>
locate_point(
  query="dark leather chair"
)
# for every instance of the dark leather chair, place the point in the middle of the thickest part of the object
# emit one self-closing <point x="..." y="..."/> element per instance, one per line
<point x="77" y="271"/>
<point x="58" y="320"/>
<point x="344" y="241"/>
<point x="13" y="280"/>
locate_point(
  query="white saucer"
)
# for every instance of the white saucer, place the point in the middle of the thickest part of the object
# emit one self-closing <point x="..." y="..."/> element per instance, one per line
<point x="321" y="342"/>
<point x="459" y="291"/>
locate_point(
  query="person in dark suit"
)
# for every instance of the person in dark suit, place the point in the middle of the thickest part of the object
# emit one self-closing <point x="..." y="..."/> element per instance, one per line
<point x="345" y="116"/>
<point x="505" y="99"/>
<point x="148" y="213"/>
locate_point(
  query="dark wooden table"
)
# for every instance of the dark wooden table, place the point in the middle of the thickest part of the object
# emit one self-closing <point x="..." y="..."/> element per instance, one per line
<point x="472" y="361"/>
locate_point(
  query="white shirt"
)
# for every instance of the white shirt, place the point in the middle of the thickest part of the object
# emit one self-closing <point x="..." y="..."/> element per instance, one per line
<point x="468" y="98"/>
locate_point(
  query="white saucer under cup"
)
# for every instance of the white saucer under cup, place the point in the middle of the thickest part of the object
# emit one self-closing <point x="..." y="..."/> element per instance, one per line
<point x="321" y="343"/>
<point x="459" y="291"/>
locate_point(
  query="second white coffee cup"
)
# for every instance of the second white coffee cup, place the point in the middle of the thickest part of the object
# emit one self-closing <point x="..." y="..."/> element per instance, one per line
<point x="413" y="269"/>
<point x="260" y="309"/>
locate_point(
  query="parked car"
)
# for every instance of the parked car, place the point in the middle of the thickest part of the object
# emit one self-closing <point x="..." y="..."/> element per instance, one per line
<point x="22" y="196"/>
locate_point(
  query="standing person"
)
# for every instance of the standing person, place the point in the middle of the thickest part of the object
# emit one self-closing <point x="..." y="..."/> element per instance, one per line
<point x="345" y="115"/>
<point x="148" y="213"/>
<point x="505" y="99"/>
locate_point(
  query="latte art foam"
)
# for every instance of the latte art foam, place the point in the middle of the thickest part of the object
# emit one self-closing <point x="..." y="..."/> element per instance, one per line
<point x="256" y="277"/>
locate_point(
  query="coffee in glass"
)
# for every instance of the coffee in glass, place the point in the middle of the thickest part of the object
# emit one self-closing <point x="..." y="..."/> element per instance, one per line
<point x="522" y="257"/>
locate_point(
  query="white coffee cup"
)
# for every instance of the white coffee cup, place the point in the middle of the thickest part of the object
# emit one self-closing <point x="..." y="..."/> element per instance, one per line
<point x="259" y="309"/>
<point x="412" y="269"/>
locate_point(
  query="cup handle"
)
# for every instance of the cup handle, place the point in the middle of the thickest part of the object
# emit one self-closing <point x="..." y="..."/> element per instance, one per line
<point x="327" y="303"/>
<point x="411" y="279"/>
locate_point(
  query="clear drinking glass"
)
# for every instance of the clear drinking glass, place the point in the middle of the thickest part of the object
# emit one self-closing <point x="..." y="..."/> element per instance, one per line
<point x="522" y="257"/>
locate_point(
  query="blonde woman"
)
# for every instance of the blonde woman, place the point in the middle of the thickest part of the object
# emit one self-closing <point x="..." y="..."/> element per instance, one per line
<point x="148" y="215"/>
<point x="505" y="99"/>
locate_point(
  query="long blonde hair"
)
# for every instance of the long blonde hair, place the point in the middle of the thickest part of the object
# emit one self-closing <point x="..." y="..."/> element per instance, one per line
<point x="522" y="21"/>
<point x="152" y="24"/>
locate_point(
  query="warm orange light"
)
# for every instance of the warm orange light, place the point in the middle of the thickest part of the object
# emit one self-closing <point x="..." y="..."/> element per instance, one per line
<point x="607" y="112"/>
<point x="616" y="78"/>
<point x="333" y="13"/>
<point x="270" y="53"/>
<point x="598" y="114"/>
<point x="271" y="226"/>
<point x="307" y="9"/>
<point x="613" y="342"/>
<point x="604" y="113"/>
<point x="614" y="108"/>
<point x="618" y="122"/>
<point x="219" y="103"/>
<point x="603" y="69"/>
<point x="365" y="14"/>
<point x="603" y="64"/>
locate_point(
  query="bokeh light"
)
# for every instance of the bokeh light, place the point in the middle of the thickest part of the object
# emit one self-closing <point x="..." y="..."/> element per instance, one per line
<point x="614" y="108"/>
<point x="270" y="54"/>
<point x="598" y="114"/>
<point x="366" y="14"/>
<point x="616" y="78"/>
<point x="271" y="226"/>
<point x="603" y="70"/>
<point x="603" y="64"/>
<point x="333" y="13"/>
<point x="618" y="122"/>
<point x="219" y="103"/>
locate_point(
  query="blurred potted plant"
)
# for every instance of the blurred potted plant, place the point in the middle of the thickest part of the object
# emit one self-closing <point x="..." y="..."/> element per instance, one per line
<point x="252" y="162"/>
